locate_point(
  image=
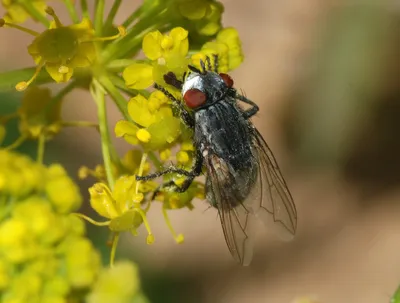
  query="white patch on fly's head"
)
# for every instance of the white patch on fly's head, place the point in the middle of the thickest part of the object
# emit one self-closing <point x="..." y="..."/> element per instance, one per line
<point x="194" y="80"/>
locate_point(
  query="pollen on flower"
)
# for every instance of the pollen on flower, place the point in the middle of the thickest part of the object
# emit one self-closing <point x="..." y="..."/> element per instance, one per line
<point x="21" y="86"/>
<point x="143" y="135"/>
<point x="150" y="239"/>
<point x="63" y="69"/>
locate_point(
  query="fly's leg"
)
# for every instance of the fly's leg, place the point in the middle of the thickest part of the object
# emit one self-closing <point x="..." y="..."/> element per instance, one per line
<point x="251" y="111"/>
<point x="185" y="115"/>
<point x="171" y="169"/>
<point x="193" y="173"/>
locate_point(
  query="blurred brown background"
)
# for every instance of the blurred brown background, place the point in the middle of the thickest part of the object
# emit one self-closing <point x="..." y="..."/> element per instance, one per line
<point x="326" y="74"/>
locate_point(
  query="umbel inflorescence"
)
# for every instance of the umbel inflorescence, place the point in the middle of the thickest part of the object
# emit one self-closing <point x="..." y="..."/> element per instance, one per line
<point x="118" y="64"/>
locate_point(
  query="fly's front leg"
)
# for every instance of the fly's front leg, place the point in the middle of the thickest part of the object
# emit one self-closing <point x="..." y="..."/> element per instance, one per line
<point x="193" y="173"/>
<point x="186" y="117"/>
<point x="251" y="111"/>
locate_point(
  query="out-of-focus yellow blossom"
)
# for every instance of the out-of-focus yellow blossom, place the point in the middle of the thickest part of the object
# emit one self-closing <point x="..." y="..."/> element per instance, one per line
<point x="154" y="125"/>
<point x="44" y="255"/>
<point x="37" y="115"/>
<point x="227" y="46"/>
<point x="61" y="48"/>
<point x="16" y="11"/>
<point x="200" y="17"/>
<point x="58" y="182"/>
<point x="210" y="23"/>
<point x="306" y="300"/>
<point x="120" y="284"/>
<point x="165" y="52"/>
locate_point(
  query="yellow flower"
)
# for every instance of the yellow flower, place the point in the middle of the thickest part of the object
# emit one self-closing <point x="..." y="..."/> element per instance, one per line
<point x="117" y="284"/>
<point x="165" y="52"/>
<point x="62" y="191"/>
<point x="16" y="12"/>
<point x="156" y="45"/>
<point x="82" y="261"/>
<point x="122" y="205"/>
<point x="203" y="16"/>
<point x="38" y="116"/>
<point x="227" y="46"/>
<point x="154" y="125"/>
<point x="61" y="48"/>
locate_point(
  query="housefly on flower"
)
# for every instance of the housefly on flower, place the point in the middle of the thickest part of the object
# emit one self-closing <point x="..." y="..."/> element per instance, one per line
<point x="243" y="180"/>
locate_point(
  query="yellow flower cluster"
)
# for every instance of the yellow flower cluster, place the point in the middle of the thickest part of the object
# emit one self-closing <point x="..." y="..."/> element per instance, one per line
<point x="154" y="126"/>
<point x="172" y="35"/>
<point x="44" y="254"/>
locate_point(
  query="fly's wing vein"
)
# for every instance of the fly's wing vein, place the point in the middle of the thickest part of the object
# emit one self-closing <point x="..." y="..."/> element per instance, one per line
<point x="276" y="202"/>
<point x="235" y="221"/>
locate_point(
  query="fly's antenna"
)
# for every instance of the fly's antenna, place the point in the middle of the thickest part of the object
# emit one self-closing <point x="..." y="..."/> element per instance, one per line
<point x="209" y="67"/>
<point x="215" y="63"/>
<point x="170" y="78"/>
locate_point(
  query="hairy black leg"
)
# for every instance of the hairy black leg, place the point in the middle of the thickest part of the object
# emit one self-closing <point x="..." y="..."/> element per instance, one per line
<point x="194" y="172"/>
<point x="171" y="169"/>
<point x="251" y="111"/>
<point x="185" y="115"/>
<point x="215" y="63"/>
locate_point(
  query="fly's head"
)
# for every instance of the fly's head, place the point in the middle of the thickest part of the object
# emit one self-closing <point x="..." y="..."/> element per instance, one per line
<point x="202" y="88"/>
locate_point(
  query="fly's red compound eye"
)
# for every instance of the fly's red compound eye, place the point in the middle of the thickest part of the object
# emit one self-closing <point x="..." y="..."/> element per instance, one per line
<point x="194" y="98"/>
<point x="227" y="79"/>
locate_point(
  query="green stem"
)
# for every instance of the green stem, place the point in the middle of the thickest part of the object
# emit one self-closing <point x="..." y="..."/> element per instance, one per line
<point x="153" y="158"/>
<point x="133" y="17"/>
<point x="72" y="11"/>
<point x="110" y="18"/>
<point x="21" y="139"/>
<point x="119" y="65"/>
<point x="31" y="9"/>
<point x="114" y="248"/>
<point x="84" y="7"/>
<point x="98" y="95"/>
<point x="98" y="17"/>
<point x="117" y="97"/>
<point x="40" y="151"/>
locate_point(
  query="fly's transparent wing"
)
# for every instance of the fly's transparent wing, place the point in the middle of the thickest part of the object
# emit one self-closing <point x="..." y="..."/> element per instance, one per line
<point x="236" y="219"/>
<point x="276" y="207"/>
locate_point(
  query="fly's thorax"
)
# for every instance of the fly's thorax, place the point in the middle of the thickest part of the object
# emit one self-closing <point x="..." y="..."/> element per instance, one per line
<point x="221" y="130"/>
<point x="209" y="83"/>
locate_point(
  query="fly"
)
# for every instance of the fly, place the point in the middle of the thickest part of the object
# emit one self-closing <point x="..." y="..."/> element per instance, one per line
<point x="243" y="179"/>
